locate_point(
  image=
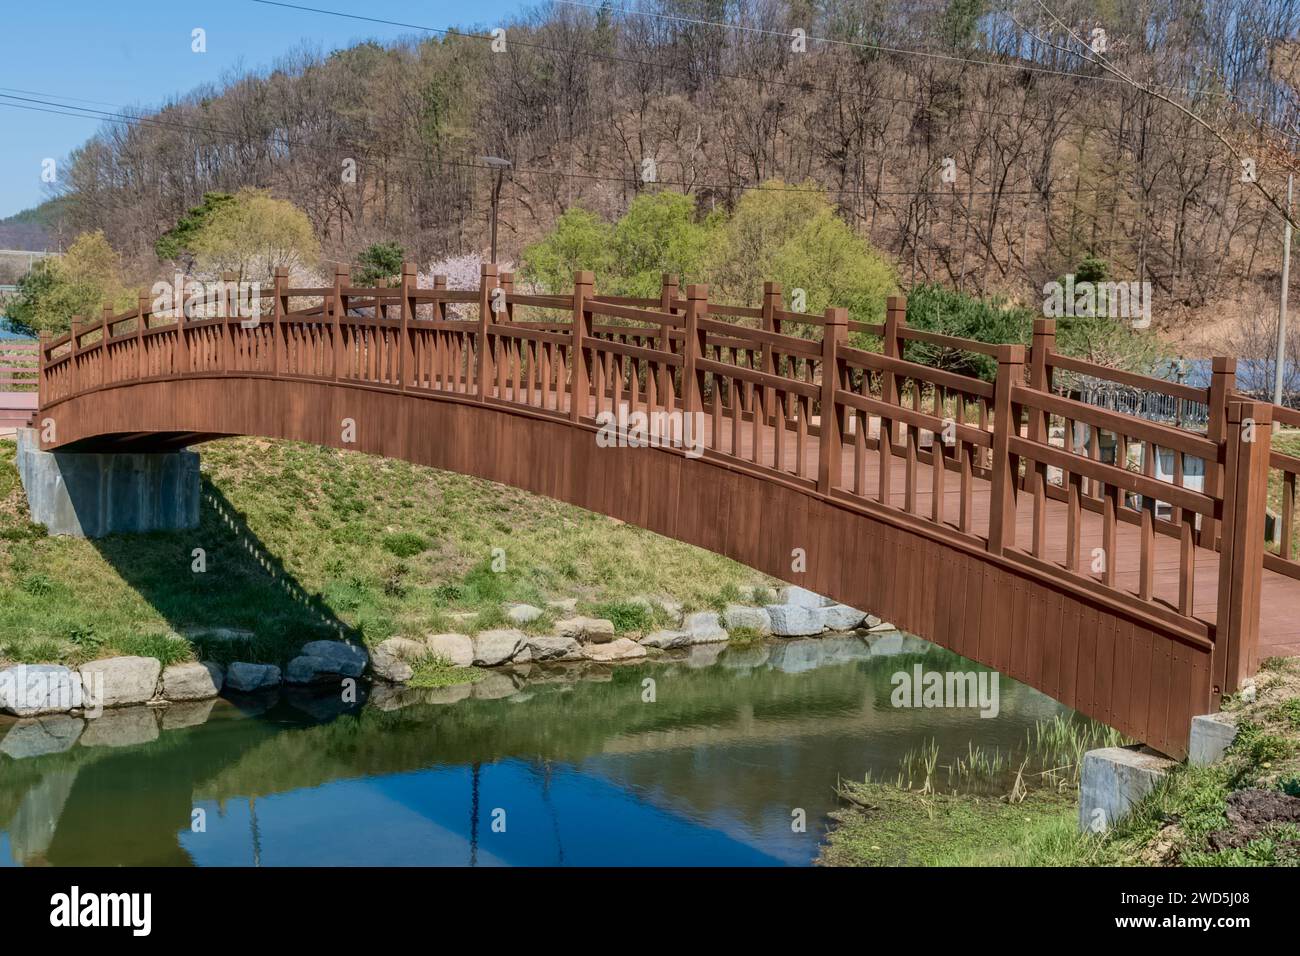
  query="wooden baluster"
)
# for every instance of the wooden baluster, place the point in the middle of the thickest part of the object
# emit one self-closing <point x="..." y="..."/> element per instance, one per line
<point x="967" y="475"/>
<point x="1110" y="516"/>
<point x="1146" y="566"/>
<point x="1288" y="514"/>
<point x="834" y="336"/>
<point x="1073" y="530"/>
<point x="1006" y="466"/>
<point x="937" y="476"/>
<point x="1186" y="563"/>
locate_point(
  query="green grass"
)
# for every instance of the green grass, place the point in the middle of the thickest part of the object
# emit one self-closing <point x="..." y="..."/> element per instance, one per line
<point x="302" y="542"/>
<point x="438" y="672"/>
<point x="901" y="828"/>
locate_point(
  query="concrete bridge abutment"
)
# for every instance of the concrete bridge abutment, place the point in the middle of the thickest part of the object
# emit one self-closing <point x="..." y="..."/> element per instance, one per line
<point x="93" y="494"/>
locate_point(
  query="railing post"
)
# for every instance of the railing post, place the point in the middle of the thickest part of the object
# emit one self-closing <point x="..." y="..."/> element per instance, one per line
<point x="832" y="416"/>
<point x="1040" y="373"/>
<point x="1006" y="466"/>
<point x="507" y="284"/>
<point x="338" y="308"/>
<point x="483" y="370"/>
<point x="1241" y="557"/>
<point x="280" y="308"/>
<point x="1223" y="383"/>
<point x="141" y="323"/>
<point x="440" y="305"/>
<point x="667" y="296"/>
<point x="224" y="310"/>
<point x="579" y="377"/>
<point x="105" y="326"/>
<point x="73" y="376"/>
<point x="770" y="323"/>
<point x="891" y="347"/>
<point x="405" y="353"/>
<point x="697" y="307"/>
<point x="181" y="357"/>
<point x="43" y="345"/>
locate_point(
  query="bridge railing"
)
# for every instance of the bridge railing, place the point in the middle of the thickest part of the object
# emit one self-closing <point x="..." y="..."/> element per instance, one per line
<point x="871" y="429"/>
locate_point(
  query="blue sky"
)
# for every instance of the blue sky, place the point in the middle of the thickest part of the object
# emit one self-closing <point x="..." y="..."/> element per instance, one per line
<point x="137" y="53"/>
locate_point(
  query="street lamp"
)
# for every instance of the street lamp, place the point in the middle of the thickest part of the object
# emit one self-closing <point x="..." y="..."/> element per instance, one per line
<point x="500" y="165"/>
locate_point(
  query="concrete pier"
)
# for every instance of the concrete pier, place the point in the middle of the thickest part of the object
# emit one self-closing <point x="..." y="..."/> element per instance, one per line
<point x="91" y="494"/>
<point x="1112" y="780"/>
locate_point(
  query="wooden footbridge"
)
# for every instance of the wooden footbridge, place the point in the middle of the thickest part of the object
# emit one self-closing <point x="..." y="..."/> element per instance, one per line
<point x="1116" y="563"/>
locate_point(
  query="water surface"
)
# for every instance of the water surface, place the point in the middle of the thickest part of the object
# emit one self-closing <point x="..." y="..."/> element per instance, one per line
<point x="538" y="766"/>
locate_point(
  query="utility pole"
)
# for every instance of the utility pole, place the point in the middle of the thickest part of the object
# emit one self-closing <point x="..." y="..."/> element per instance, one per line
<point x="500" y="165"/>
<point x="1286" y="283"/>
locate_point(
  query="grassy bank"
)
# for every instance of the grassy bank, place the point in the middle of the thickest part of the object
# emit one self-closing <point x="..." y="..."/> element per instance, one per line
<point x="300" y="541"/>
<point x="1243" y="811"/>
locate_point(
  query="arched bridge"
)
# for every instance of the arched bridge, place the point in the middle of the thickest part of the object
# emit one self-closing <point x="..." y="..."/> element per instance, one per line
<point x="1115" y="562"/>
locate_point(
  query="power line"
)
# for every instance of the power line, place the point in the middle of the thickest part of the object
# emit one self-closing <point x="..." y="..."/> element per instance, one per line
<point x="123" y="119"/>
<point x="951" y="57"/>
<point x="799" y="85"/>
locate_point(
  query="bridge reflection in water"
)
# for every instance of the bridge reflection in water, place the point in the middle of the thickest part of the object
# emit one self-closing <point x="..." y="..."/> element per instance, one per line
<point x="586" y="771"/>
<point x="1033" y="536"/>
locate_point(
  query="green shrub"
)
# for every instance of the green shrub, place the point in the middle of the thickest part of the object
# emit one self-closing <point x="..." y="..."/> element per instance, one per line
<point x="405" y="544"/>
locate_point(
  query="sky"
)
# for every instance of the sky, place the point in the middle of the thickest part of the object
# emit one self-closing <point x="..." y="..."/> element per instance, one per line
<point x="107" y="54"/>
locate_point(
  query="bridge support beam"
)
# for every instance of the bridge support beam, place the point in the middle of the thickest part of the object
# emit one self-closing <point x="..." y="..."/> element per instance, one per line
<point x="92" y="494"/>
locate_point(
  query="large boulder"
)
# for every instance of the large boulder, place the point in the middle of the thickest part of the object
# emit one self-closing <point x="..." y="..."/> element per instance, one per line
<point x="588" y="630"/>
<point x="38" y="736"/>
<point x="192" y="681"/>
<point x="622" y="649"/>
<point x="28" y="690"/>
<point x="341" y="658"/>
<point x="522" y="613"/>
<point x="704" y="627"/>
<point x="120" y="681"/>
<point x="801" y="597"/>
<point x="751" y="618"/>
<point x="554" y="647"/>
<point x="455" y="649"/>
<point x="794" y="620"/>
<point x="840" y="617"/>
<point x="392" y="659"/>
<point x="245" y="677"/>
<point x="666" y="640"/>
<point x="497" y="647"/>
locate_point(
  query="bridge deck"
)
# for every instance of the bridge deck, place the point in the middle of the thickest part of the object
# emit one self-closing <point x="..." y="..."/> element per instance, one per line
<point x="1279" y="620"/>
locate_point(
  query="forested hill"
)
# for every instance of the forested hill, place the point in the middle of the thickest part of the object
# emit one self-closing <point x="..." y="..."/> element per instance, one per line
<point x="986" y="151"/>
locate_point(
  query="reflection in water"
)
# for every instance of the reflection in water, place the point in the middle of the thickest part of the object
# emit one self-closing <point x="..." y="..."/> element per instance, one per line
<point x="537" y="766"/>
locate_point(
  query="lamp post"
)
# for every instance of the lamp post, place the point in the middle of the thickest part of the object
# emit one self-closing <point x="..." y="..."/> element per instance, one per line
<point x="500" y="165"/>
